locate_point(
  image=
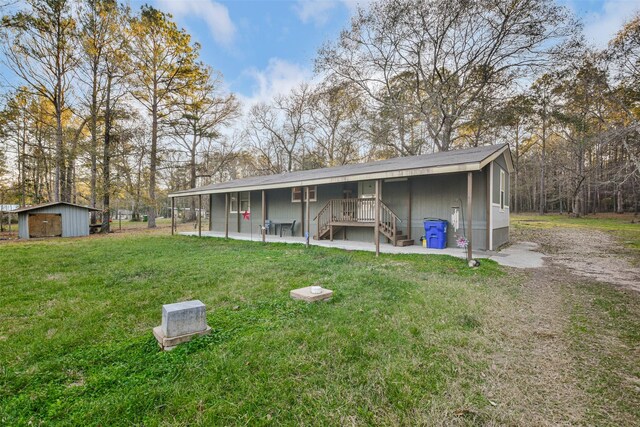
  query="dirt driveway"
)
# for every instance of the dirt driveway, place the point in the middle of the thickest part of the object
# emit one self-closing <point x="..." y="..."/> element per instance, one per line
<point x="586" y="253"/>
<point x="565" y="351"/>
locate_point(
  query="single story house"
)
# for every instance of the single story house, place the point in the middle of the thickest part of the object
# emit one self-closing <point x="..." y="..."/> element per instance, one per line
<point x="380" y="202"/>
<point x="55" y="219"/>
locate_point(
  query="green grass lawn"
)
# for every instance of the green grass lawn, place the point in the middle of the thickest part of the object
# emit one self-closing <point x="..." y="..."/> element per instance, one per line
<point x="76" y="344"/>
<point x="406" y="339"/>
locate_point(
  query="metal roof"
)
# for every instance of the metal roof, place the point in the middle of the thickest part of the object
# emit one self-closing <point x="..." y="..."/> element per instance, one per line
<point x="465" y="160"/>
<point x="44" y="205"/>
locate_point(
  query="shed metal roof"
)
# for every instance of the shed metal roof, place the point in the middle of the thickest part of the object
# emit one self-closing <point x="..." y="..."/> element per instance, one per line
<point x="45" y="205"/>
<point x="466" y="160"/>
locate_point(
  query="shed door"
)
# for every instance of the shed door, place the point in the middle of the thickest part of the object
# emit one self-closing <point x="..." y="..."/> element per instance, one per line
<point x="45" y="225"/>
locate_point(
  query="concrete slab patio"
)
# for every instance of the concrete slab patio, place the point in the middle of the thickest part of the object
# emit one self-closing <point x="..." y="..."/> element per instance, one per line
<point x="523" y="256"/>
<point x="520" y="255"/>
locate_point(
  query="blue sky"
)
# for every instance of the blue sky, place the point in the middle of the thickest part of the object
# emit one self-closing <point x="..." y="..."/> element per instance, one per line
<point x="261" y="47"/>
<point x="266" y="47"/>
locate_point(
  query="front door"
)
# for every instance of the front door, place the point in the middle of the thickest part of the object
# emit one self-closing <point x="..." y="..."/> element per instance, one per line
<point x="45" y="225"/>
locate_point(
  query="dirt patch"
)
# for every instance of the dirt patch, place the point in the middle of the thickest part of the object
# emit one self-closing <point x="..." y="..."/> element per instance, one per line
<point x="586" y="253"/>
<point x="538" y="376"/>
<point x="532" y="378"/>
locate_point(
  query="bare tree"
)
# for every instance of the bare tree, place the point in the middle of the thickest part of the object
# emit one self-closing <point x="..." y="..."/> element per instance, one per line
<point x="337" y="123"/>
<point x="278" y="129"/>
<point x="196" y="123"/>
<point x="450" y="52"/>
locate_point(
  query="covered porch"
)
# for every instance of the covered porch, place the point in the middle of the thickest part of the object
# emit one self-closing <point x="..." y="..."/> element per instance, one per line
<point x="385" y="214"/>
<point x="382" y="204"/>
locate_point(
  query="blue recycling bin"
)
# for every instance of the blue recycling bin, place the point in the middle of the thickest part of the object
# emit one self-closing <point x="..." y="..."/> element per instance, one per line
<point x="435" y="231"/>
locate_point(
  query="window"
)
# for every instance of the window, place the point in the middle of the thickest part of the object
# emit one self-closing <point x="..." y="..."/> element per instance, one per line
<point x="296" y="194"/>
<point x="245" y="206"/>
<point x="502" y="189"/>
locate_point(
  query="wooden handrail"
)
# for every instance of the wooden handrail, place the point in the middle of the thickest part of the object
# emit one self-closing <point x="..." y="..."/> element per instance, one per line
<point x="356" y="210"/>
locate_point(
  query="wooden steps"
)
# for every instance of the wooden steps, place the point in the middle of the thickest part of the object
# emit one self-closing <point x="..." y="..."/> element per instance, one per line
<point x="338" y="214"/>
<point x="405" y="242"/>
<point x="402" y="240"/>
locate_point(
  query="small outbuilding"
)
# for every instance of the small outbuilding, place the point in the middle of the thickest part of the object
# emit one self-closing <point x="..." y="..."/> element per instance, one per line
<point x="56" y="219"/>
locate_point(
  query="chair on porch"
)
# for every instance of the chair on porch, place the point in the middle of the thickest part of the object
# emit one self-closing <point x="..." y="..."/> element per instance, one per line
<point x="267" y="226"/>
<point x="292" y="228"/>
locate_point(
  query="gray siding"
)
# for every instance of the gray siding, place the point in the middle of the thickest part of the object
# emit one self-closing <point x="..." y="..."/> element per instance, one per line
<point x="500" y="237"/>
<point x="75" y="220"/>
<point x="23" y="226"/>
<point x="433" y="197"/>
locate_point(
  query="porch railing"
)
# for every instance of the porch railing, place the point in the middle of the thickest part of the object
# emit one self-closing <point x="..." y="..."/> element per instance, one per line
<point x="356" y="211"/>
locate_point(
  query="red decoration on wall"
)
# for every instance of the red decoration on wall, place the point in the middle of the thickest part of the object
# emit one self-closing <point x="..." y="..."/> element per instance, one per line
<point x="245" y="215"/>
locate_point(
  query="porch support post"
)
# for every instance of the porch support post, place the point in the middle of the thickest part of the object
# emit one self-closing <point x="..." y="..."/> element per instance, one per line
<point x="264" y="217"/>
<point x="487" y="180"/>
<point x="409" y="209"/>
<point x="469" y="216"/>
<point x="376" y="232"/>
<point x="330" y="223"/>
<point x="226" y="215"/>
<point x="199" y="215"/>
<point x="307" y="220"/>
<point x="173" y="215"/>
<point x="238" y="212"/>
<point x="490" y="210"/>
<point x="209" y="204"/>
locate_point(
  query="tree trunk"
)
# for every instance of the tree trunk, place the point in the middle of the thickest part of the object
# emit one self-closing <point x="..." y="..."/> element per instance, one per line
<point x="447" y="130"/>
<point x="23" y="162"/>
<point x="620" y="202"/>
<point x="543" y="202"/>
<point x="153" y="160"/>
<point x="516" y="203"/>
<point x="106" y="162"/>
<point x="59" y="153"/>
<point x="94" y="139"/>
<point x="192" y="177"/>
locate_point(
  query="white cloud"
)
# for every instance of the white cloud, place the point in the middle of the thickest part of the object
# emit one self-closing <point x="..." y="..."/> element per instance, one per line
<point x="601" y="24"/>
<point x="319" y="11"/>
<point x="216" y="16"/>
<point x="278" y="78"/>
<point x="353" y="5"/>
